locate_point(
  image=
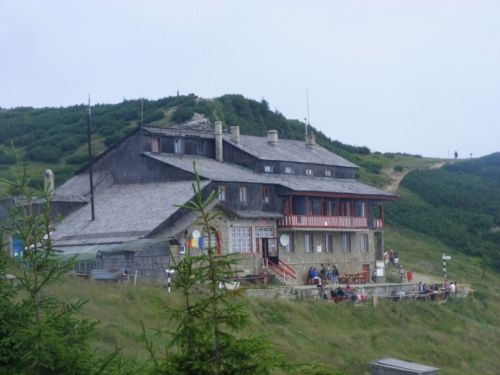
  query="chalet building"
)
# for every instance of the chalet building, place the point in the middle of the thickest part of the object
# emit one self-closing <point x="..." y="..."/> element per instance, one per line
<point x="283" y="205"/>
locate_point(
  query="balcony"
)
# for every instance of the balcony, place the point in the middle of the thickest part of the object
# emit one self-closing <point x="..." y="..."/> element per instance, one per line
<point x="378" y="223"/>
<point x="346" y="222"/>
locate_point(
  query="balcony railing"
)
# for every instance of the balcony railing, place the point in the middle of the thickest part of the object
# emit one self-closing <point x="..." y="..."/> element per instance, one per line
<point x="323" y="221"/>
<point x="378" y="223"/>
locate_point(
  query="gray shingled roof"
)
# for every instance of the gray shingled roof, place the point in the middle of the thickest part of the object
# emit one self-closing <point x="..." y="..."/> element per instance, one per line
<point x="288" y="150"/>
<point x="123" y="213"/>
<point x="227" y="172"/>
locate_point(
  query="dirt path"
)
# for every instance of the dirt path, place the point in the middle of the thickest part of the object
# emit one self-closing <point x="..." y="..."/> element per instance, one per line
<point x="396" y="177"/>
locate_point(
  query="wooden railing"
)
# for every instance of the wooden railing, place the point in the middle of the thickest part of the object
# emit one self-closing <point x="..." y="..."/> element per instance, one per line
<point x="323" y="221"/>
<point x="282" y="269"/>
<point x="378" y="223"/>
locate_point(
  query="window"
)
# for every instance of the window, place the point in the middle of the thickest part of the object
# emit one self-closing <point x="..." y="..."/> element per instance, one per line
<point x="363" y="243"/>
<point x="265" y="195"/>
<point x="346" y="242"/>
<point x="221" y="193"/>
<point x="359" y="209"/>
<point x="243" y="194"/>
<point x="288" y="170"/>
<point x="328" y="173"/>
<point x="268" y="169"/>
<point x="309" y="172"/>
<point x="288" y="239"/>
<point x="210" y="242"/>
<point x="178" y="146"/>
<point x="315" y="206"/>
<point x="329" y="207"/>
<point x="264" y="232"/>
<point x="199" y="147"/>
<point x="241" y="239"/>
<point x="308" y="243"/>
<point x="329" y="243"/>
<point x="155" y="144"/>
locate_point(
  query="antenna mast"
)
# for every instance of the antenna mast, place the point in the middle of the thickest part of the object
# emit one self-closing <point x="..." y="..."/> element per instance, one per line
<point x="307" y="101"/>
<point x="91" y="178"/>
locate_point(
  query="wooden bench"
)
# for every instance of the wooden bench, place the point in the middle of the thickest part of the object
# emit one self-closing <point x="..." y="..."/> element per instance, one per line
<point x="107" y="275"/>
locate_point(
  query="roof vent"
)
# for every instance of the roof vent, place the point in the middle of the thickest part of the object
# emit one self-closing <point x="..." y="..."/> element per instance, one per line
<point x="272" y="137"/>
<point x="235" y="134"/>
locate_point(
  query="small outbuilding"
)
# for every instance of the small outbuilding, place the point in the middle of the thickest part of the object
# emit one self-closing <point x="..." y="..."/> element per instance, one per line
<point x="392" y="366"/>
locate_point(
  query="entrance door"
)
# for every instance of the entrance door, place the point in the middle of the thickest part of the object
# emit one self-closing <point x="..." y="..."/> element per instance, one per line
<point x="270" y="250"/>
<point x="379" y="255"/>
<point x="366" y="273"/>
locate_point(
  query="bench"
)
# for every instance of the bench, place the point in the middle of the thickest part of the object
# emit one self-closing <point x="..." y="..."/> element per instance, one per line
<point x="108" y="275"/>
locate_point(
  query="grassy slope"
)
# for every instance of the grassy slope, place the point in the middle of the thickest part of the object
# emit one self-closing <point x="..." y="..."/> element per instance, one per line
<point x="460" y="336"/>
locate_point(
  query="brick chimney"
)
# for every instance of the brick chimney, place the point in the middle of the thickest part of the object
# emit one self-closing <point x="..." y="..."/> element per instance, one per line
<point x="310" y="140"/>
<point x="272" y="137"/>
<point x="218" y="141"/>
<point x="235" y="134"/>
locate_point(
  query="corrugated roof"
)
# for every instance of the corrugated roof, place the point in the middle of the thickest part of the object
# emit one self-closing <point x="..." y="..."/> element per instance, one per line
<point x="288" y="150"/>
<point x="394" y="363"/>
<point x="123" y="213"/>
<point x="226" y="172"/>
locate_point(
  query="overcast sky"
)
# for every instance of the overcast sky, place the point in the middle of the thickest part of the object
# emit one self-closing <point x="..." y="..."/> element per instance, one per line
<point x="411" y="76"/>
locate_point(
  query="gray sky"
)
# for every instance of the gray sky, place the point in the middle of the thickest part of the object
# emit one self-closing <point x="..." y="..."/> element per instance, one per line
<point x="411" y="76"/>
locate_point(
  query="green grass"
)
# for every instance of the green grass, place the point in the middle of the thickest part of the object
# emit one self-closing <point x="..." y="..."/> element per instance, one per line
<point x="460" y="336"/>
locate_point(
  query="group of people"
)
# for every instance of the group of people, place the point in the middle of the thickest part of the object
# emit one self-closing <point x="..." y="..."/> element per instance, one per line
<point x="328" y="273"/>
<point x="347" y="294"/>
<point x="391" y="257"/>
<point x="447" y="288"/>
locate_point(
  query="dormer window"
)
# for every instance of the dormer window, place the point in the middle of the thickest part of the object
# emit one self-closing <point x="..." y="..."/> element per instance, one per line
<point x="265" y="195"/>
<point x="155" y="145"/>
<point x="221" y="192"/>
<point x="328" y="173"/>
<point x="178" y="145"/>
<point x="268" y="169"/>
<point x="288" y="170"/>
<point x="309" y="172"/>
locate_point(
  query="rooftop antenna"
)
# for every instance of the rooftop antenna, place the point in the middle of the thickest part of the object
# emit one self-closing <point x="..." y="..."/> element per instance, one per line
<point x="307" y="123"/>
<point x="178" y="79"/>
<point x="91" y="178"/>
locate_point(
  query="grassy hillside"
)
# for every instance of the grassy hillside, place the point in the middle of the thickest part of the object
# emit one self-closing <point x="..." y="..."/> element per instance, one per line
<point x="458" y="204"/>
<point x="460" y="336"/>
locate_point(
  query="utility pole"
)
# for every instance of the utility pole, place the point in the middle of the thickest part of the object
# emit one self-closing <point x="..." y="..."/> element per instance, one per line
<point x="89" y="143"/>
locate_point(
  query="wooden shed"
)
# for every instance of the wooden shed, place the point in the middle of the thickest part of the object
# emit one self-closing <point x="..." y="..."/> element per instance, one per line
<point x="392" y="366"/>
<point x="148" y="257"/>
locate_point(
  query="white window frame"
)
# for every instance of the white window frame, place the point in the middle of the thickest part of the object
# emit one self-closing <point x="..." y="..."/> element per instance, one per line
<point x="288" y="170"/>
<point x="241" y="240"/>
<point x="243" y="194"/>
<point x="364" y="243"/>
<point x="308" y="243"/>
<point x="328" y="172"/>
<point x="309" y="172"/>
<point x="178" y="146"/>
<point x="268" y="169"/>
<point x="155" y="145"/>
<point x="346" y="242"/>
<point x="265" y="195"/>
<point x="214" y="243"/>
<point x="221" y="192"/>
<point x="328" y="242"/>
<point x="264" y="232"/>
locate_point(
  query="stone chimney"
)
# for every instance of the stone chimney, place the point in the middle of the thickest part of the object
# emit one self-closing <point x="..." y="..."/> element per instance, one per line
<point x="310" y="140"/>
<point x="48" y="181"/>
<point x="272" y="137"/>
<point x="218" y="140"/>
<point x="235" y="134"/>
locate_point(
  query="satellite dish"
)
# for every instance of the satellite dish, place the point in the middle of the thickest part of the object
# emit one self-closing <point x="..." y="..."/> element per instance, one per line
<point x="196" y="233"/>
<point x="284" y="240"/>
